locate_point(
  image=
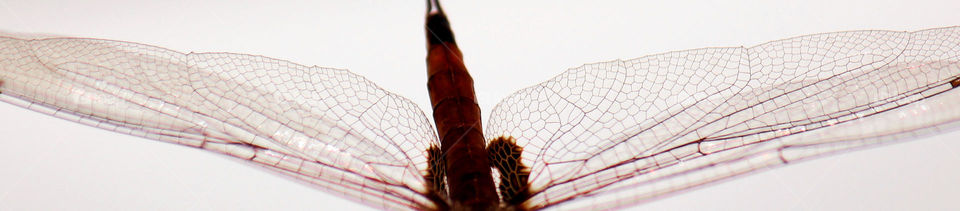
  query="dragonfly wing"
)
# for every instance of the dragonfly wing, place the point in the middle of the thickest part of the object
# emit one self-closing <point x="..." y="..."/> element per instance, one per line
<point x="326" y="126"/>
<point x="617" y="133"/>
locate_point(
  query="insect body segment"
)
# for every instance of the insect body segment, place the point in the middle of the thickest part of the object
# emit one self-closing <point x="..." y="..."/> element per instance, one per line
<point x="457" y="117"/>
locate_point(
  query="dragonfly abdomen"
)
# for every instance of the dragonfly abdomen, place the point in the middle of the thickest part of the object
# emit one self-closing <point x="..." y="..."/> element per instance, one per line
<point x="457" y="116"/>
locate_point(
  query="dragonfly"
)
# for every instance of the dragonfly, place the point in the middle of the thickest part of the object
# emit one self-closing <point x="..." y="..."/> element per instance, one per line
<point x="742" y="39"/>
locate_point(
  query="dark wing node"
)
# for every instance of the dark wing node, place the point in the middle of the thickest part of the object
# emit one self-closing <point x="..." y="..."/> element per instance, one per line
<point x="435" y="177"/>
<point x="505" y="157"/>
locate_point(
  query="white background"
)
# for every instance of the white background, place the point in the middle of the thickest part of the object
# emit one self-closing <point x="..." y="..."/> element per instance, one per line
<point x="50" y="163"/>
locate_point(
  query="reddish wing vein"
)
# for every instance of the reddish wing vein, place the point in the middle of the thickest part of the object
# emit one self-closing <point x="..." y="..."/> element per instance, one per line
<point x="640" y="128"/>
<point x="326" y="126"/>
<point x="627" y="130"/>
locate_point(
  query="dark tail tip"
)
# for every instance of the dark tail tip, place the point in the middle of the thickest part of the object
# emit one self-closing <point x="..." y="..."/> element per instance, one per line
<point x="438" y="28"/>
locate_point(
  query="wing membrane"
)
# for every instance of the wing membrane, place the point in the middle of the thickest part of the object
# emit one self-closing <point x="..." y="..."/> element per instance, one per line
<point x="636" y="129"/>
<point x="326" y="126"/>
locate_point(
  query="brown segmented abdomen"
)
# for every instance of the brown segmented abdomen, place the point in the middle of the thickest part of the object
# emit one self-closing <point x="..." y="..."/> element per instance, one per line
<point x="457" y="116"/>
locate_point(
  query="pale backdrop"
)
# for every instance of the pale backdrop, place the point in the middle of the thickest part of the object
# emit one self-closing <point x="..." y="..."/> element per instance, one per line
<point x="50" y="163"/>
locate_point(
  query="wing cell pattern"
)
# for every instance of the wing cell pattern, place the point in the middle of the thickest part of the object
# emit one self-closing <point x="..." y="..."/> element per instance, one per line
<point x="604" y="135"/>
<point x="617" y="133"/>
<point x="329" y="127"/>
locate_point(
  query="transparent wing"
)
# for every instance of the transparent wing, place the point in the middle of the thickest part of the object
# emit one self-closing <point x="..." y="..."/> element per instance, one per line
<point x="616" y="133"/>
<point x="329" y="127"/>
